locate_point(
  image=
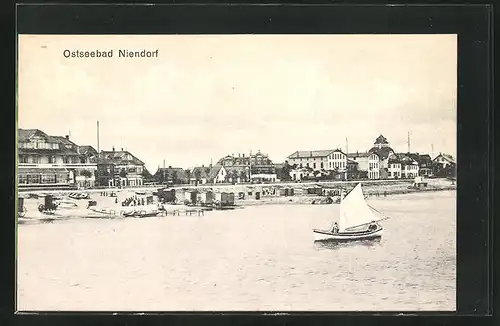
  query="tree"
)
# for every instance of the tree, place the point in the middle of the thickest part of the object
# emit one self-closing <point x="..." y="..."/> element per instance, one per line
<point x="188" y="175"/>
<point x="234" y="176"/>
<point x="160" y="177"/>
<point x="243" y="176"/>
<point x="285" y="171"/>
<point x="174" y="176"/>
<point x="86" y="173"/>
<point x="145" y="174"/>
<point x="197" y="175"/>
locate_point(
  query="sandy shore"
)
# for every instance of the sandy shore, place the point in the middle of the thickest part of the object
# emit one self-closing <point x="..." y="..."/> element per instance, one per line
<point x="111" y="207"/>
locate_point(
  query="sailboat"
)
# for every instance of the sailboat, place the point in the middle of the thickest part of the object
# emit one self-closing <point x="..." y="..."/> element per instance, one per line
<point x="357" y="220"/>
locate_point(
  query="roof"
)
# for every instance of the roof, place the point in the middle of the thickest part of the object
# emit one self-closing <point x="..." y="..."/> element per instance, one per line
<point x="351" y="161"/>
<point x="87" y="149"/>
<point x="238" y="169"/>
<point x="181" y="173"/>
<point x="447" y="157"/>
<point x="206" y="172"/>
<point x="365" y="154"/>
<point x="381" y="140"/>
<point x="318" y="153"/>
<point x="382" y="152"/>
<point x="243" y="159"/>
<point x="25" y="134"/>
<point x="407" y="158"/>
<point x="122" y="157"/>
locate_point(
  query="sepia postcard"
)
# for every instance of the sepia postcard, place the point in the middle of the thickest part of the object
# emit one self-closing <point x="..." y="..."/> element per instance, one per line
<point x="236" y="173"/>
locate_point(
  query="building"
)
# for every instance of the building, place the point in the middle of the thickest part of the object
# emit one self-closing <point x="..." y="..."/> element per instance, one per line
<point x="301" y="173"/>
<point x="53" y="161"/>
<point x="382" y="148"/>
<point x="330" y="160"/>
<point x="207" y="174"/>
<point x="256" y="167"/>
<point x="171" y="175"/>
<point x="444" y="165"/>
<point x="424" y="161"/>
<point x="394" y="167"/>
<point x="368" y="162"/>
<point x="127" y="168"/>
<point x="409" y="165"/>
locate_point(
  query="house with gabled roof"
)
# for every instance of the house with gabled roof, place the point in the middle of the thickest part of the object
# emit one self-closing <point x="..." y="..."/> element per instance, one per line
<point x="409" y="165"/>
<point x="128" y="169"/>
<point x="171" y="175"/>
<point x="208" y="174"/>
<point x="444" y="165"/>
<point x="52" y="161"/>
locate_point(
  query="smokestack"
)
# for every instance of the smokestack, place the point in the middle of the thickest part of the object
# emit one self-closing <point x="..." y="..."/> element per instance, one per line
<point x="98" y="151"/>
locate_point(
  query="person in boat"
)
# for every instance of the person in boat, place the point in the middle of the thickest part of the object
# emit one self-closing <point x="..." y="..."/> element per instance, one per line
<point x="335" y="228"/>
<point x="372" y="226"/>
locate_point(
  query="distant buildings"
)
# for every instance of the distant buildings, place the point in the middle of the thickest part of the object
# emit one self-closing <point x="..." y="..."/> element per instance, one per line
<point x="379" y="162"/>
<point x="57" y="162"/>
<point x="171" y="175"/>
<point x="256" y="167"/>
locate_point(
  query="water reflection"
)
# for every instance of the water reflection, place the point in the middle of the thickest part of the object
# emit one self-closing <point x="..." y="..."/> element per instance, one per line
<point x="335" y="244"/>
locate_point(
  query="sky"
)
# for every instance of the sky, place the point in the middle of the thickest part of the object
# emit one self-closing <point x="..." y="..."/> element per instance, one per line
<point x="206" y="96"/>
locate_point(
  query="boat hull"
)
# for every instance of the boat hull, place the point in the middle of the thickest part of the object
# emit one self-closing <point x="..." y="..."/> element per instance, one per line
<point x="324" y="235"/>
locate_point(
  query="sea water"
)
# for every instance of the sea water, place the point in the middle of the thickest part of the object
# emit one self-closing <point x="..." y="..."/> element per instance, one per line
<point x="255" y="258"/>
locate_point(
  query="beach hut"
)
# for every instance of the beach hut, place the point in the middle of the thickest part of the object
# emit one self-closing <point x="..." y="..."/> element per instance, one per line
<point x="193" y="196"/>
<point x="21" y="210"/>
<point x="224" y="198"/>
<point x="257" y="195"/>
<point x="241" y="195"/>
<point x="290" y="192"/>
<point x="180" y="196"/>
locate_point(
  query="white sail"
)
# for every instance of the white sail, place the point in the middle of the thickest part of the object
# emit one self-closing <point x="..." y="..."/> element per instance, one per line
<point x="354" y="210"/>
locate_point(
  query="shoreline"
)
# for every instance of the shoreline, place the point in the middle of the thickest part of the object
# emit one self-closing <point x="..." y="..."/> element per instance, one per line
<point x="110" y="209"/>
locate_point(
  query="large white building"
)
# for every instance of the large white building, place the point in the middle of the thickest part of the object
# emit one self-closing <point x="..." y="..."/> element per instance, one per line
<point x="368" y="162"/>
<point x="330" y="160"/>
<point x="53" y="161"/>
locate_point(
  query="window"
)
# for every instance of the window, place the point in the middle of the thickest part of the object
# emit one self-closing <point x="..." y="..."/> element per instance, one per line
<point x="314" y="165"/>
<point x="321" y="164"/>
<point x="34" y="178"/>
<point x="22" y="179"/>
<point x="307" y="164"/>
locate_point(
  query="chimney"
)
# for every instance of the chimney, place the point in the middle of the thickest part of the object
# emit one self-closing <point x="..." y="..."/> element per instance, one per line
<point x="243" y="154"/>
<point x="67" y="137"/>
<point x="122" y="149"/>
<point x="113" y="148"/>
<point x="170" y="166"/>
